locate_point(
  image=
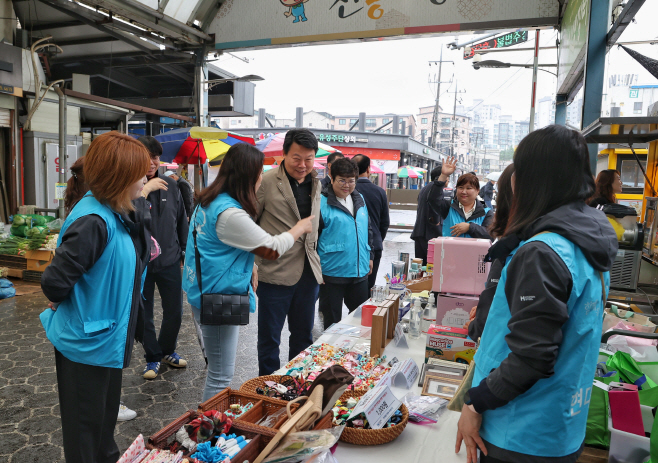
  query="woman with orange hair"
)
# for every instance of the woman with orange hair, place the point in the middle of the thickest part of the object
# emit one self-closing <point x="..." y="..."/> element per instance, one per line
<point x="608" y="186"/>
<point x="94" y="285"/>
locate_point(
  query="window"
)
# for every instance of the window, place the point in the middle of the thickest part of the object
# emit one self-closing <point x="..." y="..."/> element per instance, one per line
<point x="632" y="178"/>
<point x="424" y="131"/>
<point x="332" y="127"/>
<point x="341" y="122"/>
<point x="353" y="121"/>
<point x="423" y="120"/>
<point x="637" y="108"/>
<point x="371" y="122"/>
<point x="385" y="121"/>
<point x="287" y="126"/>
<point x="234" y="122"/>
<point x="462" y="132"/>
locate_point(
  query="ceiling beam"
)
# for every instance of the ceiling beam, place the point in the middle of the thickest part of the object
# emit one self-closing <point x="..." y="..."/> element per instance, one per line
<point x="210" y="15"/>
<point x="57" y="25"/>
<point x="103" y="39"/>
<point x="625" y="17"/>
<point x="162" y="4"/>
<point x="177" y="72"/>
<point x="126" y="80"/>
<point x="140" y="62"/>
<point x="80" y="13"/>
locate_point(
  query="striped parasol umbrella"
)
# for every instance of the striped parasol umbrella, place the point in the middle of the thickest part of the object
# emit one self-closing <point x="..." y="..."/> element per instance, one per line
<point x="270" y="167"/>
<point x="273" y="147"/>
<point x="420" y="170"/>
<point x="195" y="145"/>
<point x="408" y="172"/>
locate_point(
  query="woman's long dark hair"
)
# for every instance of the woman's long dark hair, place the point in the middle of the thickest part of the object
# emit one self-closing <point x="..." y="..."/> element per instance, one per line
<point x="503" y="202"/>
<point x="551" y="169"/>
<point x="238" y="174"/>
<point x="76" y="187"/>
<point x="604" y="182"/>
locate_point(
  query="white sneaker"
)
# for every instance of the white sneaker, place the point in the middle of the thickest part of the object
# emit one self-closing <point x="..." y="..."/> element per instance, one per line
<point x="126" y="414"/>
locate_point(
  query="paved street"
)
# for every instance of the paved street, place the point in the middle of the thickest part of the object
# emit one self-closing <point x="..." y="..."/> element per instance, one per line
<point x="30" y="429"/>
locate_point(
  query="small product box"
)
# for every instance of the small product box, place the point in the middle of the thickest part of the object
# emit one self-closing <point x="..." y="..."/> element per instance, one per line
<point x="449" y="343"/>
<point x="454" y="310"/>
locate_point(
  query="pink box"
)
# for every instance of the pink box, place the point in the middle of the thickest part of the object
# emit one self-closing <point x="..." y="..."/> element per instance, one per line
<point x="625" y="408"/>
<point x="430" y="253"/>
<point x="454" y="311"/>
<point x="459" y="265"/>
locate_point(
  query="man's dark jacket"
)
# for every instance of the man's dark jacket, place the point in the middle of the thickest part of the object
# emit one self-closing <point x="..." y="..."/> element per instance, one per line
<point x="168" y="223"/>
<point x="377" y="204"/>
<point x="427" y="226"/>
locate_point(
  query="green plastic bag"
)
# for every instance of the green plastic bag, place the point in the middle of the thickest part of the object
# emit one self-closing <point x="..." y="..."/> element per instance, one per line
<point x="629" y="371"/>
<point x="597" y="433"/>
<point x="653" y="442"/>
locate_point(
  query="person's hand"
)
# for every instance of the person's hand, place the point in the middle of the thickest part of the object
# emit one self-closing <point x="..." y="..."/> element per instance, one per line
<point x="459" y="229"/>
<point x="370" y="268"/>
<point x="153" y="185"/>
<point x="472" y="314"/>
<point x="52" y="306"/>
<point x="306" y="224"/>
<point x="468" y="431"/>
<point x="448" y="167"/>
<point x="254" y="277"/>
<point x="465" y="327"/>
<point x="174" y="177"/>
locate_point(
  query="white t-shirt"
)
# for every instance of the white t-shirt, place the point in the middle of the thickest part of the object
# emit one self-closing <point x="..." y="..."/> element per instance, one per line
<point x="347" y="202"/>
<point x="236" y="228"/>
<point x="468" y="214"/>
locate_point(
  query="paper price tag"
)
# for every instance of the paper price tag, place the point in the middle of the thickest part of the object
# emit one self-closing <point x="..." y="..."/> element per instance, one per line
<point x="378" y="404"/>
<point x="404" y="373"/>
<point x="399" y="337"/>
<point x="60" y="190"/>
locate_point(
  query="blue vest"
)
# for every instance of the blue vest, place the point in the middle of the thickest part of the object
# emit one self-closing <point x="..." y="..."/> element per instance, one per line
<point x="549" y="419"/>
<point x="225" y="269"/>
<point x="454" y="218"/>
<point x="343" y="244"/>
<point x="91" y="325"/>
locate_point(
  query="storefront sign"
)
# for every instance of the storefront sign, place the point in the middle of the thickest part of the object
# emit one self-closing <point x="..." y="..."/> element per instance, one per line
<point x="634" y="93"/>
<point x="573" y="37"/>
<point x="329" y="138"/>
<point x="257" y="24"/>
<point x="507" y="40"/>
<point x="6" y="89"/>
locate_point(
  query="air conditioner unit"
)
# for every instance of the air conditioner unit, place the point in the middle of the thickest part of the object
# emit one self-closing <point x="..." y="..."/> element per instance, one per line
<point x="625" y="269"/>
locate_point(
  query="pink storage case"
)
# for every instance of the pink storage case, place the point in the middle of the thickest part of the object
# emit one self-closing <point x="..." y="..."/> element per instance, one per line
<point x="452" y="310"/>
<point x="459" y="265"/>
<point x="430" y="252"/>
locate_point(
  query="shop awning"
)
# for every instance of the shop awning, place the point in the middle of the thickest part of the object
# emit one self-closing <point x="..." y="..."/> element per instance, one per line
<point x="372" y="153"/>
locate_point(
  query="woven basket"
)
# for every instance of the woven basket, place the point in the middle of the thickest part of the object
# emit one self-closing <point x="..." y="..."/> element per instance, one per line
<point x="262" y="406"/>
<point x="251" y="385"/>
<point x="373" y="436"/>
<point x="164" y="438"/>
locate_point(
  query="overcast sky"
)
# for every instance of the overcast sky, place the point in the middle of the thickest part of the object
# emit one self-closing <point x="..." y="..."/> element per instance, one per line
<point x="391" y="76"/>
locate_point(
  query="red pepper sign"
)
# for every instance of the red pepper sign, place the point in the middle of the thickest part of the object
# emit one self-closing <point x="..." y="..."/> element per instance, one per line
<point x="507" y="40"/>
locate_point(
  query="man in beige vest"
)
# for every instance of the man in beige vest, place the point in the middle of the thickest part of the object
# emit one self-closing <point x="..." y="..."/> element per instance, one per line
<point x="288" y="286"/>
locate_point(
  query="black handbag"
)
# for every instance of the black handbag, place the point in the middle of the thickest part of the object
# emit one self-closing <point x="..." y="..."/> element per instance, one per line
<point x="220" y="309"/>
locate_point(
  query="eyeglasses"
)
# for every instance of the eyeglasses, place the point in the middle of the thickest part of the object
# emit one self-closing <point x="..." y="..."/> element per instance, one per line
<point x="342" y="182"/>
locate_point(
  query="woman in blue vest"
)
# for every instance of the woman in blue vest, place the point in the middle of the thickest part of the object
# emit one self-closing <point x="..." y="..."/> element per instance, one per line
<point x="228" y="240"/>
<point x="537" y="357"/>
<point x="464" y="216"/>
<point x="94" y="285"/>
<point x="344" y="243"/>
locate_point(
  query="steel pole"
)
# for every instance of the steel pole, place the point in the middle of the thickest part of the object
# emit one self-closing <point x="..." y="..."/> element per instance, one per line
<point x="535" y="68"/>
<point x="435" y="116"/>
<point x="62" y="145"/>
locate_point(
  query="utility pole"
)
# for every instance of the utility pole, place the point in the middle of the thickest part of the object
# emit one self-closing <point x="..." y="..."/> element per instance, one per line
<point x="453" y="125"/>
<point x="535" y="68"/>
<point x="435" y="116"/>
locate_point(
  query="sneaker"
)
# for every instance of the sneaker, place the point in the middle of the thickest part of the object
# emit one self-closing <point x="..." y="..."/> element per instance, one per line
<point x="126" y="414"/>
<point x="151" y="370"/>
<point x="175" y="360"/>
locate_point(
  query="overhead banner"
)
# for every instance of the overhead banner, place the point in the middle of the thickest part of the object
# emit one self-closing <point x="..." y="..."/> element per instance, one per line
<point x="573" y="37"/>
<point x="268" y="23"/>
<point x="504" y="41"/>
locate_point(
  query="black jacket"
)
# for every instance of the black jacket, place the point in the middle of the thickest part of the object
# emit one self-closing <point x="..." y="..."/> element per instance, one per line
<point x="377" y="203"/>
<point x="536" y="328"/>
<point x="428" y="225"/>
<point x="487" y="192"/>
<point x="598" y="201"/>
<point x="325" y="181"/>
<point x="358" y="203"/>
<point x="82" y="245"/>
<point x="440" y="207"/>
<point x="168" y="224"/>
<point x="187" y="193"/>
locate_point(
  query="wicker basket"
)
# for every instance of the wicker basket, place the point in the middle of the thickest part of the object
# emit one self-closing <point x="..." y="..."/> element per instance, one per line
<point x="262" y="406"/>
<point x="251" y="385"/>
<point x="373" y="436"/>
<point x="163" y="438"/>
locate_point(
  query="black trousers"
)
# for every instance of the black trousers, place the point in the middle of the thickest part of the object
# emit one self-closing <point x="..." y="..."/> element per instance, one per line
<point x="170" y="282"/>
<point x="421" y="249"/>
<point x="89" y="399"/>
<point x="375" y="266"/>
<point x="332" y="296"/>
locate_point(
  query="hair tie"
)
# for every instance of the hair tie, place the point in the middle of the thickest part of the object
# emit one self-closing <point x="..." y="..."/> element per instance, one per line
<point x="74" y="175"/>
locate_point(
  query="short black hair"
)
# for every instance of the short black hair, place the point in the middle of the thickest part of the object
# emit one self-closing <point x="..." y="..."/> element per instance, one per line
<point x="333" y="156"/>
<point x="344" y="168"/>
<point x="363" y="162"/>
<point x="303" y="137"/>
<point x="436" y="172"/>
<point x="152" y="145"/>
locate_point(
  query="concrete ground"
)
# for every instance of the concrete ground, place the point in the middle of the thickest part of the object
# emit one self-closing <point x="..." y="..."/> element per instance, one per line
<point x="30" y="428"/>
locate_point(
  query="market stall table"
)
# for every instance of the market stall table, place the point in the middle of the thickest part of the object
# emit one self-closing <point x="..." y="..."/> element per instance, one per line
<point x="419" y="442"/>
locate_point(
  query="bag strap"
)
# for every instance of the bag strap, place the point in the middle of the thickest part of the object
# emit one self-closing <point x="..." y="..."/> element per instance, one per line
<point x="615" y="310"/>
<point x="604" y="296"/>
<point x="197" y="258"/>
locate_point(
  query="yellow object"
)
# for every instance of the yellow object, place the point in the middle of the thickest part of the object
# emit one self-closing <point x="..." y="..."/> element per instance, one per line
<point x="619" y="230"/>
<point x="465" y="356"/>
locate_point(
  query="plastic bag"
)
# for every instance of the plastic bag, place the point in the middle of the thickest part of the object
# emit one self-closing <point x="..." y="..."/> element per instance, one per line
<point x="270" y="420"/>
<point x="630" y="340"/>
<point x="324" y="457"/>
<point x="424" y="409"/>
<point x="7" y="289"/>
<point x="55" y="226"/>
<point x="302" y="446"/>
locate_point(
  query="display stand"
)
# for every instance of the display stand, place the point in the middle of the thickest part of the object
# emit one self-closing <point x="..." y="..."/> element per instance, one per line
<point x="384" y="321"/>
